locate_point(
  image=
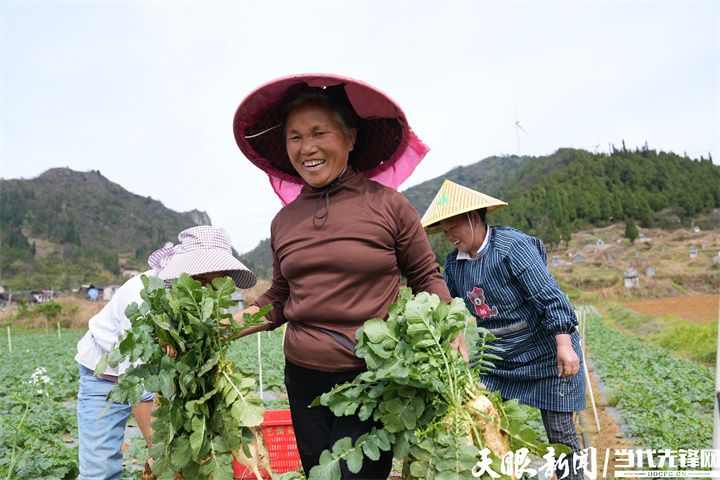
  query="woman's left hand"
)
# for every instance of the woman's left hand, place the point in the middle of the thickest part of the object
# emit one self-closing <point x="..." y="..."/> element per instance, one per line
<point x="460" y="345"/>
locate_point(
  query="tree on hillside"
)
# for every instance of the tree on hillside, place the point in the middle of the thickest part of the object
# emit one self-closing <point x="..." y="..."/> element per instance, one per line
<point x="565" y="235"/>
<point x="645" y="213"/>
<point x="552" y="236"/>
<point x="631" y="231"/>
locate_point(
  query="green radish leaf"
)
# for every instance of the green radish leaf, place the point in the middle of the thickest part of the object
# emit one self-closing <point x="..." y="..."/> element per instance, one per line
<point x="327" y="469"/>
<point x="197" y="437"/>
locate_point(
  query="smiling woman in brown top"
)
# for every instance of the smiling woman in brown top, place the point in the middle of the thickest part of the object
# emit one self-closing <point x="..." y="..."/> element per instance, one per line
<point x="341" y="246"/>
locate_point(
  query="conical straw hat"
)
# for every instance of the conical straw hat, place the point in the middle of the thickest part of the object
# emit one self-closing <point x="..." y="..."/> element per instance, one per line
<point x="454" y="199"/>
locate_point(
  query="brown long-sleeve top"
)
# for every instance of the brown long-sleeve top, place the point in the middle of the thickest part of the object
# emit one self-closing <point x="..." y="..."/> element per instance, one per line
<point x="339" y="272"/>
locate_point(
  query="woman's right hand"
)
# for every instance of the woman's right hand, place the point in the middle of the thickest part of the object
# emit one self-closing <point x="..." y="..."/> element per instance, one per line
<point x="252" y="309"/>
<point x="460" y="345"/>
<point x="249" y="310"/>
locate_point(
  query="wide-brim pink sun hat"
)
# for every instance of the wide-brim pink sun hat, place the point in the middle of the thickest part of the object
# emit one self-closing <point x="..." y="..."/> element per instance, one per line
<point x="202" y="249"/>
<point x="387" y="150"/>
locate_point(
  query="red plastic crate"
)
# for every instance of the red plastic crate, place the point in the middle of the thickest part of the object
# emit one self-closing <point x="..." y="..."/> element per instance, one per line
<point x="279" y="438"/>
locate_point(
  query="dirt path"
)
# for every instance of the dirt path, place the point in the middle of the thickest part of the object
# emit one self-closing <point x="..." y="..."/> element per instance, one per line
<point x="694" y="308"/>
<point x="609" y="435"/>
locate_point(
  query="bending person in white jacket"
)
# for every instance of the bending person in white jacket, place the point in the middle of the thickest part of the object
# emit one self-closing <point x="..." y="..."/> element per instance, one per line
<point x="204" y="253"/>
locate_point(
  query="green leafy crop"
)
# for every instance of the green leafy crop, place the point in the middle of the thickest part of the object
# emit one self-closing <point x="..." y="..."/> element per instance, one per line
<point x="205" y="407"/>
<point x="425" y="399"/>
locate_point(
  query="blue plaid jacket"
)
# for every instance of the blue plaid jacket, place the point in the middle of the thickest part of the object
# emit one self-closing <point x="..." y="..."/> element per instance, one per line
<point x="511" y="292"/>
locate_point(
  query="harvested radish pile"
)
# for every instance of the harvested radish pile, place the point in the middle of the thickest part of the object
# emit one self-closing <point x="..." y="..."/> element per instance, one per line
<point x="424" y="397"/>
<point x="208" y="409"/>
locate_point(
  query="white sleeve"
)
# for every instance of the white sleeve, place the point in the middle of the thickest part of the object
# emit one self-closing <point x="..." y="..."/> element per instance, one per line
<point x="109" y="323"/>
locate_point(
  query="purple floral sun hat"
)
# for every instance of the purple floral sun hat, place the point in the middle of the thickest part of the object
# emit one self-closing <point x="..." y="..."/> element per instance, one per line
<point x="387" y="150"/>
<point x="202" y="249"/>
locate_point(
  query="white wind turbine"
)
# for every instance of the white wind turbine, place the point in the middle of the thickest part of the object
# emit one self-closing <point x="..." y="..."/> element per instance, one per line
<point x="518" y="129"/>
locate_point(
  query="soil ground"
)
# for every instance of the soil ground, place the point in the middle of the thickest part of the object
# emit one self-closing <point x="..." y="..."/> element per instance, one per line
<point x="609" y="436"/>
<point x="694" y="308"/>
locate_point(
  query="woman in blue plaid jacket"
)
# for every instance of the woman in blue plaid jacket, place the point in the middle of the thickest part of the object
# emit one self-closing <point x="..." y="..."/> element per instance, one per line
<point x="502" y="275"/>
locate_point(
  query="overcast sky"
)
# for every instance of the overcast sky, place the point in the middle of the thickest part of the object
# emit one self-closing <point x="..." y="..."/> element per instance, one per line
<point x="145" y="92"/>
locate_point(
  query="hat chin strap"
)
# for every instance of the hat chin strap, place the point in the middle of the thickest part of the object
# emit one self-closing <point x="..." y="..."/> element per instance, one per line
<point x="472" y="230"/>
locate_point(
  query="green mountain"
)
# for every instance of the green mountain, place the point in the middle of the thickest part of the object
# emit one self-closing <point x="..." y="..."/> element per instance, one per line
<point x="555" y="195"/>
<point x="64" y="228"/>
<point x="488" y="176"/>
<point x="552" y="196"/>
<point x="259" y="259"/>
<point x="572" y="189"/>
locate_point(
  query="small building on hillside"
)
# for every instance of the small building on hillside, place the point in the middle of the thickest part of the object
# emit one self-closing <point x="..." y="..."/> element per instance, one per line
<point x="109" y="291"/>
<point x="716" y="258"/>
<point x="642" y="238"/>
<point x="631" y="278"/>
<point x="557" y="261"/>
<point x="693" y="252"/>
<point x="239" y="300"/>
<point x="92" y="291"/>
<point x="650" y="271"/>
<point x="128" y="271"/>
<point x="42" y="296"/>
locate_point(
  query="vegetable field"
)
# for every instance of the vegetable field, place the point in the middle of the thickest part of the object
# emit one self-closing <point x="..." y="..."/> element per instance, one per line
<point x="37" y="420"/>
<point x="38" y="431"/>
<point x="663" y="401"/>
